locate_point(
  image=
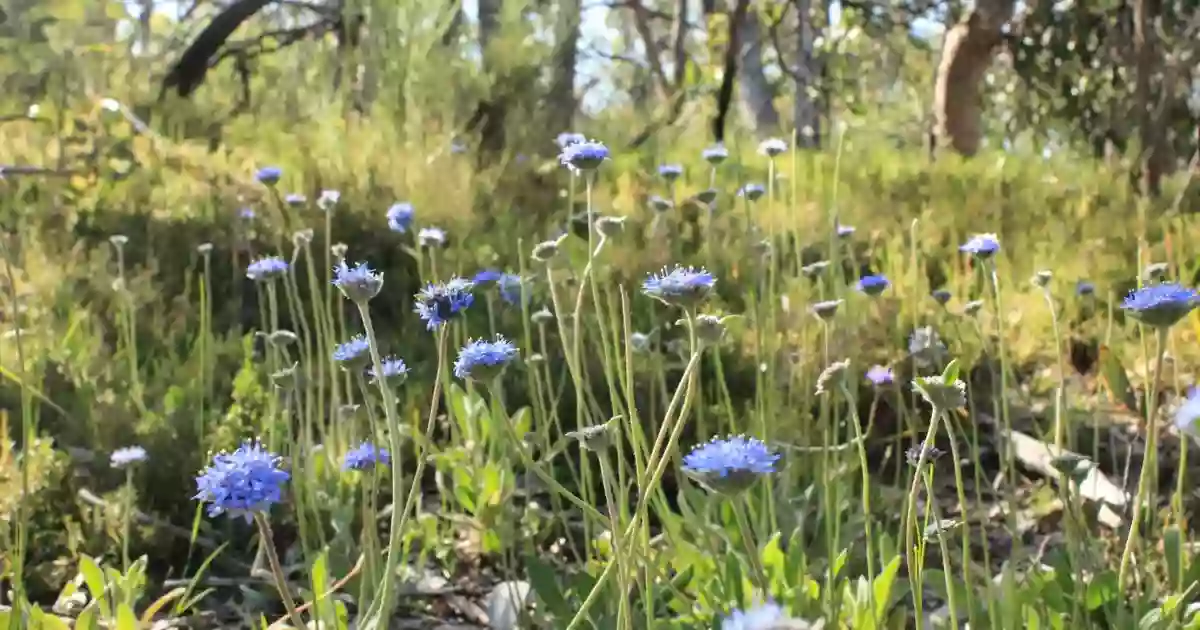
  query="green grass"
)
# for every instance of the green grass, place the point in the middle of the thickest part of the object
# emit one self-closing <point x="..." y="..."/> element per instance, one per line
<point x="155" y="343"/>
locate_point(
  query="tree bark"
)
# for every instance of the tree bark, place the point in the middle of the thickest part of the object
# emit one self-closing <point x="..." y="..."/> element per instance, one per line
<point x="561" y="97"/>
<point x="806" y="107"/>
<point x="756" y="97"/>
<point x="1154" y="157"/>
<point x="679" y="44"/>
<point x="967" y="52"/>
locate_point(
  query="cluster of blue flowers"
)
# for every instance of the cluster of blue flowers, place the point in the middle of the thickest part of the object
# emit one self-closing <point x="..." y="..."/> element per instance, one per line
<point x="242" y="483"/>
<point x="439" y="303"/>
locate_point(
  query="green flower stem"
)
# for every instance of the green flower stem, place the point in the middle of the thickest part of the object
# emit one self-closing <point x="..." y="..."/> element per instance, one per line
<point x="947" y="569"/>
<point x="382" y="606"/>
<point x="126" y="517"/>
<point x="619" y="557"/>
<point x="264" y="531"/>
<point x="748" y="540"/>
<point x="910" y="512"/>
<point x="658" y="466"/>
<point x="960" y="489"/>
<point x="1145" y="491"/>
<point x="866" y="490"/>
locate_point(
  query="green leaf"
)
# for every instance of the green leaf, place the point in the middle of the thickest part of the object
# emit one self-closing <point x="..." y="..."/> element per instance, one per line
<point x="1172" y="545"/>
<point x="1101" y="590"/>
<point x="883" y="586"/>
<point x="950" y="374"/>
<point x="126" y="619"/>
<point x="541" y="578"/>
<point x="1116" y="380"/>
<point x="93" y="576"/>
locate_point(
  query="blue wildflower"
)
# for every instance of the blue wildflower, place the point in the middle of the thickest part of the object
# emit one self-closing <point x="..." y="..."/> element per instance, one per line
<point x="567" y="138"/>
<point x="359" y="283"/>
<point x="1160" y="305"/>
<point x="845" y="231"/>
<point x="826" y="309"/>
<point x="242" y="483"/>
<point x="127" y="456"/>
<point x="941" y="296"/>
<point x="354" y="353"/>
<point x="487" y="277"/>
<point x="681" y="286"/>
<point x="752" y="192"/>
<point x="395" y="371"/>
<point x="365" y="457"/>
<point x="295" y="199"/>
<point x="439" y="303"/>
<point x="246" y="213"/>
<point x="772" y="147"/>
<point x="482" y="360"/>
<point x="267" y="268"/>
<point x="880" y="375"/>
<point x="400" y="216"/>
<point x="1083" y="287"/>
<point x="431" y="237"/>
<point x="1187" y="414"/>
<point x="715" y="154"/>
<point x="981" y="246"/>
<point x="873" y="285"/>
<point x="269" y="175"/>
<point x="766" y="616"/>
<point x="670" y="172"/>
<point x="458" y="147"/>
<point x="583" y="156"/>
<point x="731" y="464"/>
<point x="511" y="288"/>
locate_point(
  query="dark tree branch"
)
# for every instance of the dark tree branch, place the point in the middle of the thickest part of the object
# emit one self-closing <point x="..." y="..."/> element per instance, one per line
<point x="673" y="113"/>
<point x="189" y="71"/>
<point x="249" y="49"/>
<point x="733" y="48"/>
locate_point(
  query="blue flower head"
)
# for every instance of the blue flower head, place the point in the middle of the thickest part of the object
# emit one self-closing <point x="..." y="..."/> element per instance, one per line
<point x="353" y="354"/>
<point x="880" y="375"/>
<point x="1185" y="417"/>
<point x="670" y="172"/>
<point x="766" y="616"/>
<point x="941" y="296"/>
<point x="752" y="192"/>
<point x="845" y="231"/>
<point x="395" y="371"/>
<point x="873" y="285"/>
<point x="365" y="457"/>
<point x="400" y="217"/>
<point x="487" y="277"/>
<point x="583" y="156"/>
<point x="431" y="237"/>
<point x="772" y="147"/>
<point x="295" y="199"/>
<point x="127" y="456"/>
<point x="715" y="154"/>
<point x="246" y="213"/>
<point x="981" y="246"/>
<point x="267" y="268"/>
<point x="329" y="199"/>
<point x="359" y="283"/>
<point x="482" y="360"/>
<point x="242" y="483"/>
<point x="730" y="465"/>
<point x="567" y="138"/>
<point x="681" y="286"/>
<point x="659" y="203"/>
<point x="511" y="288"/>
<point x="1160" y="305"/>
<point x="439" y="303"/>
<point x="269" y="175"/>
<point x="1083" y="287"/>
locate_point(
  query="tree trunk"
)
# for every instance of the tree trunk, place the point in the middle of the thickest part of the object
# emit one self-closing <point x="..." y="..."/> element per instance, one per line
<point x="806" y="107"/>
<point x="756" y="98"/>
<point x="561" y="97"/>
<point x="679" y="44"/>
<point x="967" y="52"/>
<point x="1154" y="157"/>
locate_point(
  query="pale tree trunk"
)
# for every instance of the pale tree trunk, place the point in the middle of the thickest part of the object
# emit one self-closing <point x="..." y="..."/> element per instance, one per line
<point x="756" y="93"/>
<point x="806" y="106"/>
<point x="562" y="84"/>
<point x="967" y="52"/>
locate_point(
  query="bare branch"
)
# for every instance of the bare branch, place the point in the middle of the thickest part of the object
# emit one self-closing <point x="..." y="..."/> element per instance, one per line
<point x="641" y="22"/>
<point x="679" y="45"/>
